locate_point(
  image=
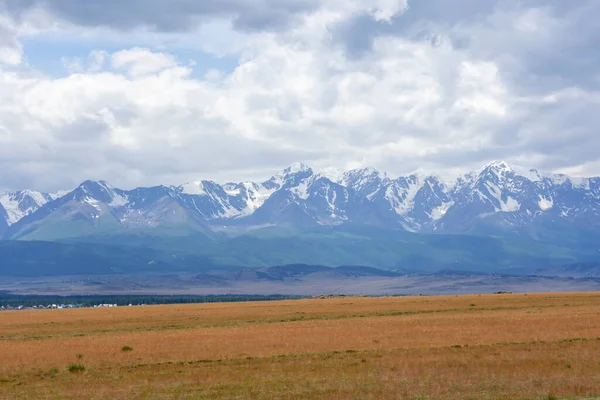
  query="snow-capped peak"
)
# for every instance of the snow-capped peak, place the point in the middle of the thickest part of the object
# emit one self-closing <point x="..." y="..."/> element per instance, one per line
<point x="362" y="176"/>
<point x="367" y="171"/>
<point x="193" y="188"/>
<point x="90" y="185"/>
<point x="295" y="168"/>
<point x="499" y="168"/>
<point x="420" y="200"/>
<point x="22" y="203"/>
<point x="104" y="192"/>
<point x="499" y="164"/>
<point x="333" y="174"/>
<point x="531" y="174"/>
<point x="448" y="182"/>
<point x="535" y="175"/>
<point x="289" y="176"/>
<point x="59" y="194"/>
<point x="401" y="194"/>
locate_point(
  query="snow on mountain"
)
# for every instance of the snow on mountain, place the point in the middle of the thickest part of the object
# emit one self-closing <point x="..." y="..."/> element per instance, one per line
<point x="22" y="203"/>
<point x="336" y="175"/>
<point x="531" y="174"/>
<point x="59" y="194"/>
<point x="365" y="181"/>
<point x="251" y="195"/>
<point x="497" y="193"/>
<point x="402" y="192"/>
<point x="193" y="188"/>
<point x="438" y="212"/>
<point x="545" y="204"/>
<point x="295" y="168"/>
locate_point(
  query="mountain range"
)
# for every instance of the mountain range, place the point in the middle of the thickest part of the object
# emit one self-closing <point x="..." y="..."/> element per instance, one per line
<point x="331" y="217"/>
<point x="496" y="196"/>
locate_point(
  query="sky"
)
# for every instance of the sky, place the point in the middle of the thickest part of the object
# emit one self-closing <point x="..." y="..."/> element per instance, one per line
<point x="148" y="92"/>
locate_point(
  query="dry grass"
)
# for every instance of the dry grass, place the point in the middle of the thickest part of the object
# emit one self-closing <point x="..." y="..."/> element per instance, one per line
<point x="494" y="346"/>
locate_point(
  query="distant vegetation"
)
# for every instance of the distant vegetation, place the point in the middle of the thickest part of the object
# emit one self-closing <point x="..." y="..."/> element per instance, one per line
<point x="76" y="368"/>
<point x="89" y="301"/>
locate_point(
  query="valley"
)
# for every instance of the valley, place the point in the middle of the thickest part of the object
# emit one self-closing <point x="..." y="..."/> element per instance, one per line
<point x="301" y="280"/>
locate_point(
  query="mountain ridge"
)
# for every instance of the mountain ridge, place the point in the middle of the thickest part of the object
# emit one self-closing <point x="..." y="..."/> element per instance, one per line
<point x="494" y="198"/>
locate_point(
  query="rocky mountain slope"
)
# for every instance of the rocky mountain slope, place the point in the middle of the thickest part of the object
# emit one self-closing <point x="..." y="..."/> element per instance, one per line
<point x="495" y="198"/>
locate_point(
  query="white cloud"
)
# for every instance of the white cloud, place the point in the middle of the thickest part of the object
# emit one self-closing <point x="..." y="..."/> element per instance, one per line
<point x="384" y="10"/>
<point x="138" y="61"/>
<point x="96" y="60"/>
<point x="407" y="103"/>
<point x="482" y="90"/>
<point x="11" y="51"/>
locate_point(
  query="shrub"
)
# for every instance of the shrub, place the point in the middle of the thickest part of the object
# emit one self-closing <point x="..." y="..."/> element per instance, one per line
<point x="126" y="348"/>
<point x="80" y="356"/>
<point x="47" y="374"/>
<point x="76" y="368"/>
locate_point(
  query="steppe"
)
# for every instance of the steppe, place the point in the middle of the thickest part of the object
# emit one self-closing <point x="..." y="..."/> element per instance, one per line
<point x="503" y="346"/>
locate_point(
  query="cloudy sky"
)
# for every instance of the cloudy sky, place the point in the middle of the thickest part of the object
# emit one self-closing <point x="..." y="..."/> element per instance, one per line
<point x="143" y="92"/>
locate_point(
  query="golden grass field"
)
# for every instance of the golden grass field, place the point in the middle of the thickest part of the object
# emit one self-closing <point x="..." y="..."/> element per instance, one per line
<point x="536" y="346"/>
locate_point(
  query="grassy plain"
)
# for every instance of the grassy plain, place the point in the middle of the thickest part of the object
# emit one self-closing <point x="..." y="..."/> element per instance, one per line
<point x="536" y="346"/>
